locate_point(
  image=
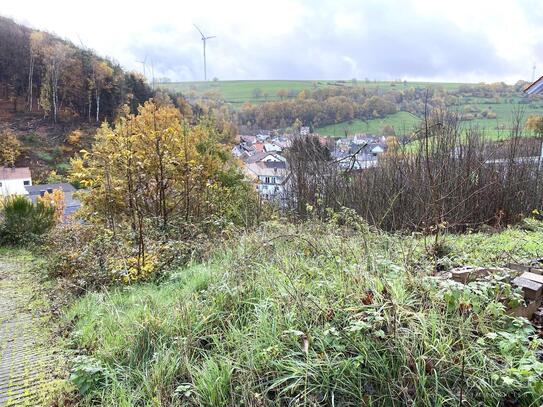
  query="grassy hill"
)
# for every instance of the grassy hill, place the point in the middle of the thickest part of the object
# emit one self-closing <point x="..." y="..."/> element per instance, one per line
<point x="401" y="122"/>
<point x="238" y="92"/>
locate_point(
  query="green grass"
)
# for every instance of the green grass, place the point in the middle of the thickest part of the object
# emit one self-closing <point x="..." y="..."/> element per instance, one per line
<point x="238" y="92"/>
<point x="314" y="314"/>
<point x="402" y="122"/>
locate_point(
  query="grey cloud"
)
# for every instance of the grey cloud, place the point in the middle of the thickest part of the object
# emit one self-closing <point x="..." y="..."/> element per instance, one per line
<point x="388" y="43"/>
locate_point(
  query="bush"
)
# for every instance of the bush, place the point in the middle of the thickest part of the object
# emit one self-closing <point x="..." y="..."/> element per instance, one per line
<point x="86" y="256"/>
<point x="24" y="221"/>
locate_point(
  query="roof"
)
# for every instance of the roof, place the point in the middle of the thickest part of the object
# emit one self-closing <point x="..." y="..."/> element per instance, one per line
<point x="265" y="169"/>
<point x="260" y="156"/>
<point x="247" y="139"/>
<point x="71" y="204"/>
<point x="271" y="147"/>
<point x="535" y="88"/>
<point x="36" y="189"/>
<point x="7" y="173"/>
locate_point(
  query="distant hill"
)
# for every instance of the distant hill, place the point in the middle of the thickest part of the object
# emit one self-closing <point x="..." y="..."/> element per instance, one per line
<point x="277" y="104"/>
<point x="260" y="91"/>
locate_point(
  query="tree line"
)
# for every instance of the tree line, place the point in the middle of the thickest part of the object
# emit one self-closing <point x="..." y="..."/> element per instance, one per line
<point x="335" y="104"/>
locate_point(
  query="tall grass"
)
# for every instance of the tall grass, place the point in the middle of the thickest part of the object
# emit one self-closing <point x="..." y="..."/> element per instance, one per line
<point x="313" y="315"/>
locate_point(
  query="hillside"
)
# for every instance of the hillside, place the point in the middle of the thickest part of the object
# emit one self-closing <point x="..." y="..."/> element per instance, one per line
<point x="49" y="87"/>
<point x="277" y="104"/>
<point x="260" y="91"/>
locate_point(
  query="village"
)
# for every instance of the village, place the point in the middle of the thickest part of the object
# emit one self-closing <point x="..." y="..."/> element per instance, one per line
<point x="264" y="157"/>
<point x="263" y="161"/>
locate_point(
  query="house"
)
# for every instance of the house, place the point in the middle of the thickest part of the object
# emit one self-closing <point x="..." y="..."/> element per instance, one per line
<point x="247" y="139"/>
<point x="262" y="137"/>
<point x="304" y="131"/>
<point x="269" y="171"/>
<point x="360" y="161"/>
<point x="13" y="180"/>
<point x="272" y="148"/>
<point x="71" y="204"/>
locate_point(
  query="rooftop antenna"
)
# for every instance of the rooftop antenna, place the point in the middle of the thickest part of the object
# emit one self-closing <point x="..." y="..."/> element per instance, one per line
<point x="143" y="65"/>
<point x="204" y="39"/>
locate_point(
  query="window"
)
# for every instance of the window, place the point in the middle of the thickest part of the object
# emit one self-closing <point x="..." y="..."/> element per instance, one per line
<point x="0" y="184"/>
<point x="26" y="182"/>
<point x="267" y="180"/>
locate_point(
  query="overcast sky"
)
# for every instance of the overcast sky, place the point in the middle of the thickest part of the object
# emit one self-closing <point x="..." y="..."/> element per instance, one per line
<point x="460" y="40"/>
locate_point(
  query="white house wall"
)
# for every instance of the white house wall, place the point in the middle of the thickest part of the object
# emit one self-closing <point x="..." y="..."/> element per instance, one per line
<point x="14" y="186"/>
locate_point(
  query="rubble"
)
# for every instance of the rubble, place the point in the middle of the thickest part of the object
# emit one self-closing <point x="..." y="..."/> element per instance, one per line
<point x="527" y="276"/>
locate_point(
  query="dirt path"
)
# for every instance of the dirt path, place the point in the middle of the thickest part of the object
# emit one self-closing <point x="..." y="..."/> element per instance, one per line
<point x="27" y="358"/>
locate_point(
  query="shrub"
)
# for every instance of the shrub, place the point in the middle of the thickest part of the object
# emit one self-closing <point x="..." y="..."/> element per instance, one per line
<point x="449" y="178"/>
<point x="10" y="148"/>
<point x="45" y="156"/>
<point x="23" y="221"/>
<point x="87" y="256"/>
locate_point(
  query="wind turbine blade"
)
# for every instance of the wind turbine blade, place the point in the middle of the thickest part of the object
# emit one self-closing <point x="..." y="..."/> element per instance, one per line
<point x="200" y="31"/>
<point x="213" y="36"/>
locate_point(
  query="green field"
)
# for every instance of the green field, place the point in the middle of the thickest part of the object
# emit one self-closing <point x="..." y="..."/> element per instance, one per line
<point x="239" y="92"/>
<point x="403" y="123"/>
<point x="243" y="91"/>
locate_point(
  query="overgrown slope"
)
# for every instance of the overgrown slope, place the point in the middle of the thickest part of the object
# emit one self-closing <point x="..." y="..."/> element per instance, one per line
<point x="50" y="87"/>
<point x="314" y="314"/>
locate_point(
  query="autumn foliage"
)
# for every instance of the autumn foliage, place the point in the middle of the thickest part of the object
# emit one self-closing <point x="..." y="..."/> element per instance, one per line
<point x="153" y="176"/>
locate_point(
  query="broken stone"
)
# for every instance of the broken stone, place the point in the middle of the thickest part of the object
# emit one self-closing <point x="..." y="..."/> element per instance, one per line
<point x="527" y="311"/>
<point x="467" y="274"/>
<point x="533" y="267"/>
<point x="532" y="290"/>
<point x="538" y="317"/>
<point x="532" y="276"/>
<point x="518" y="267"/>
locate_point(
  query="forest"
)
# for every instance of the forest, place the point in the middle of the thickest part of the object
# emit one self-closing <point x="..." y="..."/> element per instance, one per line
<point x="63" y="82"/>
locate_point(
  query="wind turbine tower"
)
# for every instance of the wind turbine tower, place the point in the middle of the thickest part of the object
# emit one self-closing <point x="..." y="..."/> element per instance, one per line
<point x="204" y="39"/>
<point x="533" y="72"/>
<point x="143" y="64"/>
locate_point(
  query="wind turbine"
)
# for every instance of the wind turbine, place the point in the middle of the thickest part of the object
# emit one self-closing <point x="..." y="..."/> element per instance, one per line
<point x="143" y="65"/>
<point x="204" y="39"/>
<point x="533" y="72"/>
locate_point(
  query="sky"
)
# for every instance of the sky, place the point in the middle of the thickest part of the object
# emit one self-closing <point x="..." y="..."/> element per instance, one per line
<point x="437" y="40"/>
